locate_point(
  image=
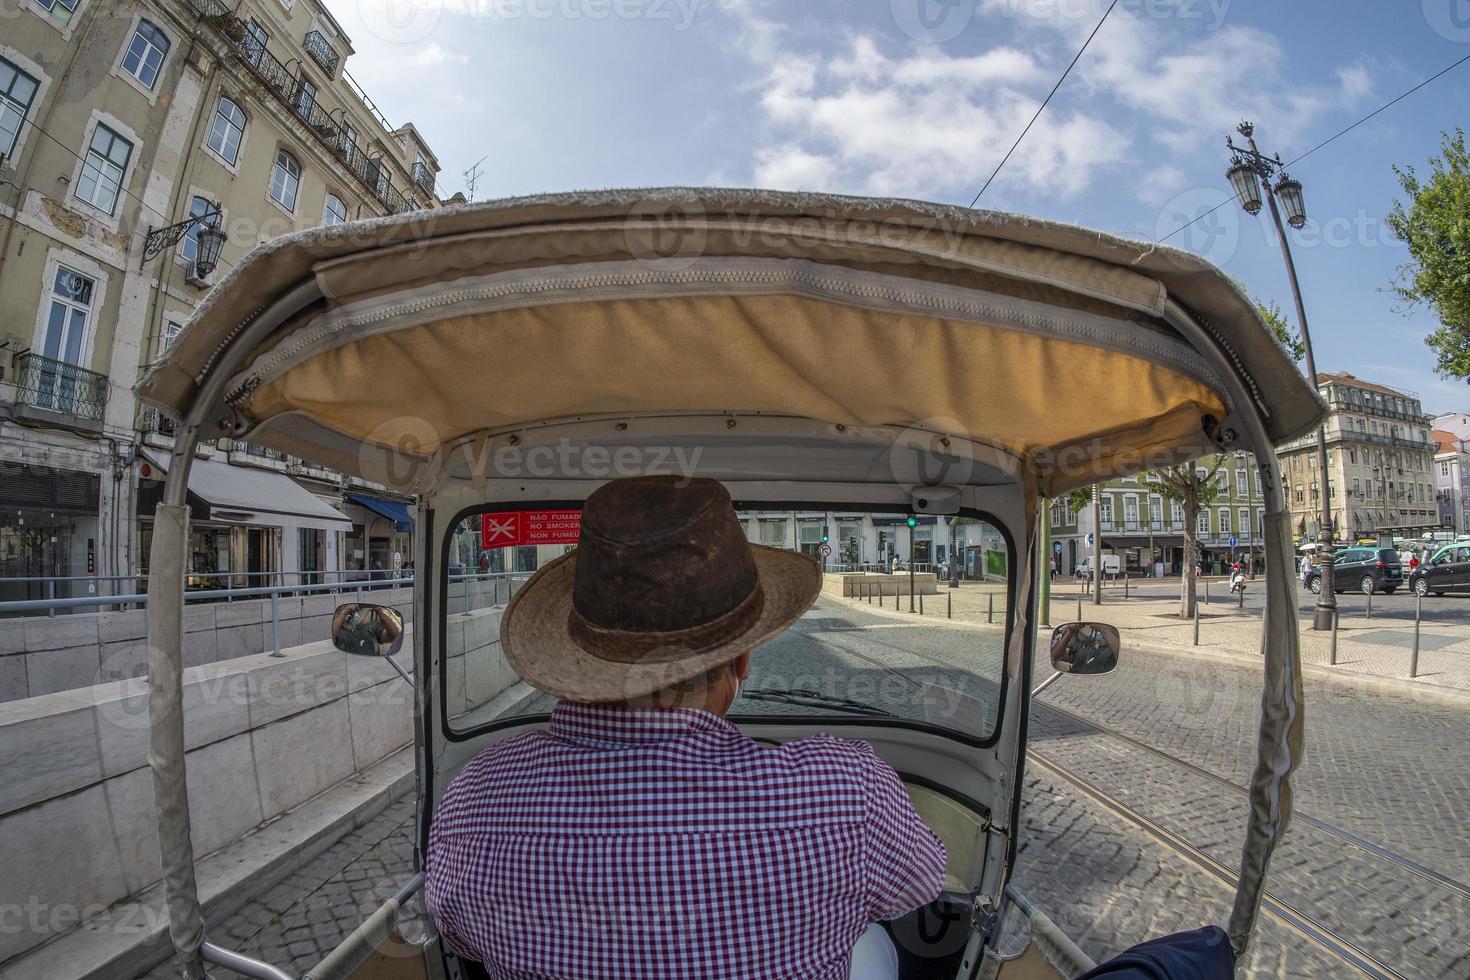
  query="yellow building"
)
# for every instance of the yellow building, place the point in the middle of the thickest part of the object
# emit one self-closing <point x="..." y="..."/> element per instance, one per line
<point x="1380" y="460"/>
<point x="118" y="119"/>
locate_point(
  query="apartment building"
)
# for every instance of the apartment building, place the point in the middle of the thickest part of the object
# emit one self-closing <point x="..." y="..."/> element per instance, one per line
<point x="1146" y="528"/>
<point x="1380" y="459"/>
<point x="119" y="121"/>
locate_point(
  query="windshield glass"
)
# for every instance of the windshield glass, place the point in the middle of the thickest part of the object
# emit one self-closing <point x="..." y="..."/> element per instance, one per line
<point x="910" y="626"/>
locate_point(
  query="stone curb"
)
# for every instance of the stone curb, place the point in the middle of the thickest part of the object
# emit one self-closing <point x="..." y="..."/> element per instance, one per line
<point x="1403" y="687"/>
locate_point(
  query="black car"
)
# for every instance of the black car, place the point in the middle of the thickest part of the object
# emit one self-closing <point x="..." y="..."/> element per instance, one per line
<point x="1365" y="569"/>
<point x="1447" y="570"/>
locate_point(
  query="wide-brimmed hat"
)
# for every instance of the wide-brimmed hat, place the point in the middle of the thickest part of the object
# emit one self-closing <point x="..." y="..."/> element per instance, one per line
<point x="662" y="587"/>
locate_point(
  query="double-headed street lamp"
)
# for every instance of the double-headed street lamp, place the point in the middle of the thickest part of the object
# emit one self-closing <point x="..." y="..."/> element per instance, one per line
<point x="1249" y="168"/>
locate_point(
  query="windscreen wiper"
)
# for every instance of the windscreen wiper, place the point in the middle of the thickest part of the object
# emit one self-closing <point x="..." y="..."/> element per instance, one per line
<point x="814" y="699"/>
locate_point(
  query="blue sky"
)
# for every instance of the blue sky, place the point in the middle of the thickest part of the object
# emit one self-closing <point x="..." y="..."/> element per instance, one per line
<point x="922" y="98"/>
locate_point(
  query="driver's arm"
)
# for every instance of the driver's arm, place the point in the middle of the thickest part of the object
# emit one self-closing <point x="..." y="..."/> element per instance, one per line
<point x="903" y="860"/>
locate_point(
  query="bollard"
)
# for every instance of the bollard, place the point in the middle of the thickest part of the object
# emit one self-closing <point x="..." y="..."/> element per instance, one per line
<point x="359" y="594"/>
<point x="1125" y="585"/>
<point x="1369" y="613"/>
<point x="1414" y="656"/>
<point x="51" y="594"/>
<point x="1207" y="591"/>
<point x="1196" y="624"/>
<point x="949" y="605"/>
<point x="1332" y="642"/>
<point x="880" y="595"/>
<point x="1242" y="599"/>
<point x="990" y="608"/>
<point x="921" y="603"/>
<point x="276" y="625"/>
<point x="1079" y="607"/>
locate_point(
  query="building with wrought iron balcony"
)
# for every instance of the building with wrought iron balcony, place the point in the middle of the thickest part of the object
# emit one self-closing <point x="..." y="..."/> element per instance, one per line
<point x="146" y="148"/>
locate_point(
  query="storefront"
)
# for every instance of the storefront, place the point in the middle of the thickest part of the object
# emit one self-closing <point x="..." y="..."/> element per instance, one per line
<point x="246" y="525"/>
<point x="382" y="534"/>
<point x="48" y="527"/>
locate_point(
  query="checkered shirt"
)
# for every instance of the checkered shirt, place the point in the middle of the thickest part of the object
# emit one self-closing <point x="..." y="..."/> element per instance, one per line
<point x="656" y="843"/>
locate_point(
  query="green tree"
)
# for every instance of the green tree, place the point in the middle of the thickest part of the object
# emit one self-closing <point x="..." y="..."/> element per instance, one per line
<point x="1435" y="224"/>
<point x="1290" y="340"/>
<point x="1195" y="487"/>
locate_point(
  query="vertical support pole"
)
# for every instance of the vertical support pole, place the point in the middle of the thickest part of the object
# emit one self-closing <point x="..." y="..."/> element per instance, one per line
<point x="1043" y="563"/>
<point x="1079" y="607"/>
<point x="949" y="605"/>
<point x="1414" y="657"/>
<point x="276" y="625"/>
<point x="1332" y="640"/>
<point x="51" y="596"/>
<point x="1370" y="605"/>
<point x="1125" y="583"/>
<point x="990" y="607"/>
<point x="1207" y="590"/>
<point x="921" y="603"/>
<point x="1196" y="624"/>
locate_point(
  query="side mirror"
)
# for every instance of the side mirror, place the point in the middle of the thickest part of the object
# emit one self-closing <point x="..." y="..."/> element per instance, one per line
<point x="1085" y="648"/>
<point x="367" y="629"/>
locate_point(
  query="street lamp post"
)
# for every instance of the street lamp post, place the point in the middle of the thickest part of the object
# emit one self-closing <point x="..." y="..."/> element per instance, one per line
<point x="1247" y="167"/>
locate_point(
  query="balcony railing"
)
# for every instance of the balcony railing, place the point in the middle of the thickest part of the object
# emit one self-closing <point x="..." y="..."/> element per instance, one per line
<point x="47" y="383"/>
<point x="318" y="47"/>
<point x="423" y="176"/>
<point x="277" y="79"/>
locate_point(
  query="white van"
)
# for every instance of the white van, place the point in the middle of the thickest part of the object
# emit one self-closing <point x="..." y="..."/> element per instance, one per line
<point x="1112" y="565"/>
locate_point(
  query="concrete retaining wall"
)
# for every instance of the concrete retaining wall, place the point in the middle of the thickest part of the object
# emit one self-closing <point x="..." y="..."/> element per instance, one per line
<point x="856" y="585"/>
<point x="264" y="735"/>
<point x="45" y="654"/>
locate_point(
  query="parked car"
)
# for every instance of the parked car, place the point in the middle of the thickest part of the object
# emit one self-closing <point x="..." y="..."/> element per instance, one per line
<point x="1366" y="569"/>
<point x="1447" y="570"/>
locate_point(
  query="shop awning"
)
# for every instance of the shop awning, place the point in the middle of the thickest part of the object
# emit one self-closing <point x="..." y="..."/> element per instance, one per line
<point x="395" y="510"/>
<point x="250" y="495"/>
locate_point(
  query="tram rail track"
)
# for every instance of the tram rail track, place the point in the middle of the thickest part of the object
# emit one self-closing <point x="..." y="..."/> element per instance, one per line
<point x="1404" y="863"/>
<point x="1288" y="915"/>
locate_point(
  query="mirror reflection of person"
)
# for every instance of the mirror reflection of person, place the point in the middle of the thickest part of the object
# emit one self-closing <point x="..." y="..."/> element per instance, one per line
<point x="1082" y="647"/>
<point x="713" y="854"/>
<point x="365" y="629"/>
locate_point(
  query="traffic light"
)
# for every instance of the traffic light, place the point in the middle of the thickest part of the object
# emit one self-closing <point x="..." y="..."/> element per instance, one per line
<point x="913" y="521"/>
<point x="824" y="537"/>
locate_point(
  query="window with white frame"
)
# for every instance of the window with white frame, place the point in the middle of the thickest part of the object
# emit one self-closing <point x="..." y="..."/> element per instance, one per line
<point x="144" y="57"/>
<point x="17" y="91"/>
<point x="1156" y="512"/>
<point x="1202" y="527"/>
<point x="1130" y="510"/>
<point x="256" y="38"/>
<point x="103" y="169"/>
<point x="285" y="180"/>
<point x="61" y="10"/>
<point x="349" y="142"/>
<point x="335" y="212"/>
<point x="1241" y="486"/>
<point x="171" y="329"/>
<point x="227" y="130"/>
<point x="1224" y="521"/>
<point x="189" y="245"/>
<point x="1244" y="525"/>
<point x="1105" y="506"/>
<point x="1176" y="513"/>
<point x="69" y="316"/>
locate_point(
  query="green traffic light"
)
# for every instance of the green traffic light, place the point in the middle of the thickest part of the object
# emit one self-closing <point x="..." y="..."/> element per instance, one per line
<point x="913" y="521"/>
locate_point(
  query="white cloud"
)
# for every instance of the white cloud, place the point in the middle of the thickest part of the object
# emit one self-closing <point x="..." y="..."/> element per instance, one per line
<point x="434" y="53"/>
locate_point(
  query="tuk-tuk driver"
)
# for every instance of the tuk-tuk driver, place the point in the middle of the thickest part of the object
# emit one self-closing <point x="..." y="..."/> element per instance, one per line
<point x="642" y="835"/>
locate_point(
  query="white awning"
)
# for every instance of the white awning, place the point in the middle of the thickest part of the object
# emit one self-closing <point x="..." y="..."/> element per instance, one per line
<point x="249" y="495"/>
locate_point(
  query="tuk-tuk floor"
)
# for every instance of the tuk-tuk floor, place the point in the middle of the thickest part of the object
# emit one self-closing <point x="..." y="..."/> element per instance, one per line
<point x="298" y="921"/>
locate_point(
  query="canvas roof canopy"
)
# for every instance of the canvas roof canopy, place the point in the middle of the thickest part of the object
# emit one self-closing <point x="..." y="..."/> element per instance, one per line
<point x="1056" y="344"/>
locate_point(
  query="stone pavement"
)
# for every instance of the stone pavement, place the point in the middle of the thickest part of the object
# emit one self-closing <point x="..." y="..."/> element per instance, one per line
<point x="1376" y="647"/>
<point x="297" y="922"/>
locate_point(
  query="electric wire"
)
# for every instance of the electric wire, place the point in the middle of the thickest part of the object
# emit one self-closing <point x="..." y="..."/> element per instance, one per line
<point x="1041" y="108"/>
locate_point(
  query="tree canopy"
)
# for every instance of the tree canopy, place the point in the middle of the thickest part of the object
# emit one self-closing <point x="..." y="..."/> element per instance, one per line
<point x="1435" y="224"/>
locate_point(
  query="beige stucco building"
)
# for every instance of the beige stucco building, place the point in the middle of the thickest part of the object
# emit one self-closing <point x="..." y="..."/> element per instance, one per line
<point x="1380" y="460"/>
<point x="118" y="118"/>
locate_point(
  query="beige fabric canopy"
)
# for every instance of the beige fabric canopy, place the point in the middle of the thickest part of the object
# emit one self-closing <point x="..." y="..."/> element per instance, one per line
<point x="1046" y="340"/>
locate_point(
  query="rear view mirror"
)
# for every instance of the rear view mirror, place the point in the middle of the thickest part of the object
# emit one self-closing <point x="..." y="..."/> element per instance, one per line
<point x="1085" y="648"/>
<point x="363" y="628"/>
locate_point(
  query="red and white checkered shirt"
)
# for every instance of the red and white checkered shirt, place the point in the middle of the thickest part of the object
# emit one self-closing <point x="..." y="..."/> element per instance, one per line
<point x="657" y="843"/>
